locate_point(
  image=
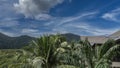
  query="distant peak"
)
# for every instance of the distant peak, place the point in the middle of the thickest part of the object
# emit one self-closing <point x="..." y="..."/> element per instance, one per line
<point x="116" y="34"/>
<point x="69" y="34"/>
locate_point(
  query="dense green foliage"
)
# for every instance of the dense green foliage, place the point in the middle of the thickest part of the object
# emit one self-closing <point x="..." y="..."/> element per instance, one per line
<point x="55" y="52"/>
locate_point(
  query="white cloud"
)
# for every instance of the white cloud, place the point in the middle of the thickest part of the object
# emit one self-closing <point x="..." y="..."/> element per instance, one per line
<point x="34" y="8"/>
<point x="27" y="31"/>
<point x="63" y="20"/>
<point x="77" y="25"/>
<point x="35" y="32"/>
<point x="9" y="23"/>
<point x="114" y="15"/>
<point x="95" y="30"/>
<point x="81" y="28"/>
<point x="6" y="9"/>
<point x="75" y="18"/>
<point x="43" y="17"/>
<point x="98" y="31"/>
<point x="8" y="33"/>
<point x="60" y="30"/>
<point x="70" y="1"/>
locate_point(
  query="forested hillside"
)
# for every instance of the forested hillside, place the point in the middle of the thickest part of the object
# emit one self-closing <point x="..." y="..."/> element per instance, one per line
<point x="7" y="42"/>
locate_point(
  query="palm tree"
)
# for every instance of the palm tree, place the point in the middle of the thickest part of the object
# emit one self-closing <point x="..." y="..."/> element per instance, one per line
<point x="44" y="51"/>
<point x="54" y="52"/>
<point x="70" y="55"/>
<point x="98" y="56"/>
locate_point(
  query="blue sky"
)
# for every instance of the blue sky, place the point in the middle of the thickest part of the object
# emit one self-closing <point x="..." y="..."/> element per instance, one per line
<point x="38" y="17"/>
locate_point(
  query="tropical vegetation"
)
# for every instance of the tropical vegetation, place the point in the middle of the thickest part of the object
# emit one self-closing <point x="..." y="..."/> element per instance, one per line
<point x="53" y="51"/>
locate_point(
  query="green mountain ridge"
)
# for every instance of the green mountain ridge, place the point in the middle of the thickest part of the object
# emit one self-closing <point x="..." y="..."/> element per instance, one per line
<point x="7" y="42"/>
<point x="71" y="37"/>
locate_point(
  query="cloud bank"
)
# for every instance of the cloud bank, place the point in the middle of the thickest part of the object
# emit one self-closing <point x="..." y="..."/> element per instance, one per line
<point x="82" y="23"/>
<point x="38" y="9"/>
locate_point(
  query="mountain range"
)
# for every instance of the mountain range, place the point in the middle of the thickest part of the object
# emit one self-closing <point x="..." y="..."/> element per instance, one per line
<point x="7" y="42"/>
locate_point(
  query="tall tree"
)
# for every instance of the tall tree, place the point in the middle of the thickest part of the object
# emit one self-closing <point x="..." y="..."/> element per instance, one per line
<point x="99" y="56"/>
<point x="45" y="51"/>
